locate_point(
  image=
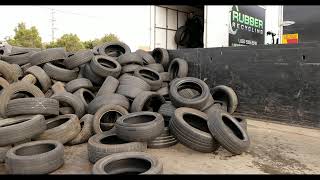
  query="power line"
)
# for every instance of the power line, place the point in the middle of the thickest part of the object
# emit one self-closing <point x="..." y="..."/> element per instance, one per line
<point x="52" y="24"/>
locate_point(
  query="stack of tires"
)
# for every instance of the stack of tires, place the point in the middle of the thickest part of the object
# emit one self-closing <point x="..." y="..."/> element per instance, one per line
<point x="118" y="102"/>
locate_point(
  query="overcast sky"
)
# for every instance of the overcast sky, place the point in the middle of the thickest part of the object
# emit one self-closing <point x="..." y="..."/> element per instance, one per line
<point x="130" y="23"/>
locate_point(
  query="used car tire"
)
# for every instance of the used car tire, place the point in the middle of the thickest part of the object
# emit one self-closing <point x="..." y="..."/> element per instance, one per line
<point x="89" y="74"/>
<point x="115" y="99"/>
<point x="38" y="157"/>
<point x="19" y="58"/>
<point x="85" y="96"/>
<point x="78" y="58"/>
<point x="228" y="131"/>
<point x="167" y="110"/>
<point x="146" y="57"/>
<point x="134" y="81"/>
<point x="133" y="163"/>
<point x="86" y="130"/>
<point x="190" y="127"/>
<point x="32" y="106"/>
<point x="62" y="128"/>
<point x="105" y="144"/>
<point x="20" y="128"/>
<point x="118" y="47"/>
<point x="78" y="83"/>
<point x="8" y="72"/>
<point x="147" y="101"/>
<point x="130" y="58"/>
<point x="104" y="66"/>
<point x="156" y="66"/>
<point x="109" y="86"/>
<point x="48" y="55"/>
<point x="150" y="76"/>
<point x="139" y="126"/>
<point x="3" y="152"/>
<point x="130" y="68"/>
<point x="59" y="73"/>
<point x="161" y="56"/>
<point x="227" y="95"/>
<point x="72" y="100"/>
<point x="107" y="114"/>
<point x="41" y="76"/>
<point x="178" y="68"/>
<point x="197" y="102"/>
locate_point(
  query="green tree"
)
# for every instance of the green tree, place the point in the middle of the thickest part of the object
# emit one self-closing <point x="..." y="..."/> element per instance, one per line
<point x="109" y="38"/>
<point x="70" y="41"/>
<point x="26" y="37"/>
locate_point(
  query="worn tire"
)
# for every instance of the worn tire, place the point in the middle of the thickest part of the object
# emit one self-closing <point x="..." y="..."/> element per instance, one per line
<point x="14" y="88"/>
<point x="190" y="127"/>
<point x="228" y="131"/>
<point x="18" y="58"/>
<point x="242" y="121"/>
<point x="161" y="56"/>
<point x="145" y="126"/>
<point x="164" y="92"/>
<point x="133" y="162"/>
<point x="105" y="144"/>
<point x="227" y="95"/>
<point x="146" y="57"/>
<point x="163" y="141"/>
<point x="60" y="74"/>
<point x="178" y="68"/>
<point x="17" y="129"/>
<point x="78" y="58"/>
<point x="3" y="152"/>
<point x="78" y="83"/>
<point x="150" y="76"/>
<point x="133" y="81"/>
<point x="41" y="76"/>
<point x="72" y="100"/>
<point x="85" y="96"/>
<point x="48" y="55"/>
<point x="94" y="78"/>
<point x="167" y="110"/>
<point x="62" y="128"/>
<point x="130" y="68"/>
<point x="130" y="92"/>
<point x="109" y="86"/>
<point x="107" y="114"/>
<point x="165" y="76"/>
<point x="8" y="72"/>
<point x="38" y="157"/>
<point x="32" y="106"/>
<point x="147" y="101"/>
<point x="130" y="58"/>
<point x="118" y="47"/>
<point x="156" y="66"/>
<point x="115" y="99"/>
<point x="86" y="130"/>
<point x="105" y="66"/>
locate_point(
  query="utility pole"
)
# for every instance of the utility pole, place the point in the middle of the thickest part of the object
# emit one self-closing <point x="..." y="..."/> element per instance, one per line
<point x="52" y="24"/>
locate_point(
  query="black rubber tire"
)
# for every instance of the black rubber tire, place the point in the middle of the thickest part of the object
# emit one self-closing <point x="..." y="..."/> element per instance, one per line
<point x="3" y="152"/>
<point x="105" y="66"/>
<point x="178" y="68"/>
<point x="3" y="84"/>
<point x="41" y="76"/>
<point x="208" y="104"/>
<point x="147" y="101"/>
<point x="146" y="57"/>
<point x="14" y="88"/>
<point x="196" y="136"/>
<point x="94" y="78"/>
<point x="118" y="47"/>
<point x="85" y="96"/>
<point x="18" y="58"/>
<point x="78" y="58"/>
<point x="32" y="106"/>
<point x="86" y="130"/>
<point x="133" y="81"/>
<point x="115" y="99"/>
<point x="164" y="92"/>
<point x="182" y="36"/>
<point x="71" y="100"/>
<point x="48" y="55"/>
<point x="17" y="129"/>
<point x="161" y="56"/>
<point x="165" y="76"/>
<point x="242" y="121"/>
<point x="133" y="162"/>
<point x="167" y="110"/>
<point x="105" y="144"/>
<point x="62" y="128"/>
<point x="109" y="86"/>
<point x="60" y="74"/>
<point x="18" y="49"/>
<point x="192" y="83"/>
<point x="78" y="83"/>
<point x="8" y="72"/>
<point x="95" y="50"/>
<point x="25" y="67"/>
<point x="130" y="58"/>
<point x="231" y="135"/>
<point x="130" y="68"/>
<point x="142" y="129"/>
<point x="107" y="114"/>
<point x="130" y="92"/>
<point x="150" y="76"/>
<point x="227" y="95"/>
<point x="163" y="141"/>
<point x="156" y="66"/>
<point x="39" y="157"/>
<point x="66" y="110"/>
<point x="165" y="84"/>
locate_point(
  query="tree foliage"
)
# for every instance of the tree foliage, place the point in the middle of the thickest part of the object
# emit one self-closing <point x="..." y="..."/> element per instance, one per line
<point x="26" y="37"/>
<point x="70" y="41"/>
<point x="106" y="38"/>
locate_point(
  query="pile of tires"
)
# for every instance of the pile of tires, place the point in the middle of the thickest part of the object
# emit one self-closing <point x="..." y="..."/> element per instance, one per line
<point x="118" y="102"/>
